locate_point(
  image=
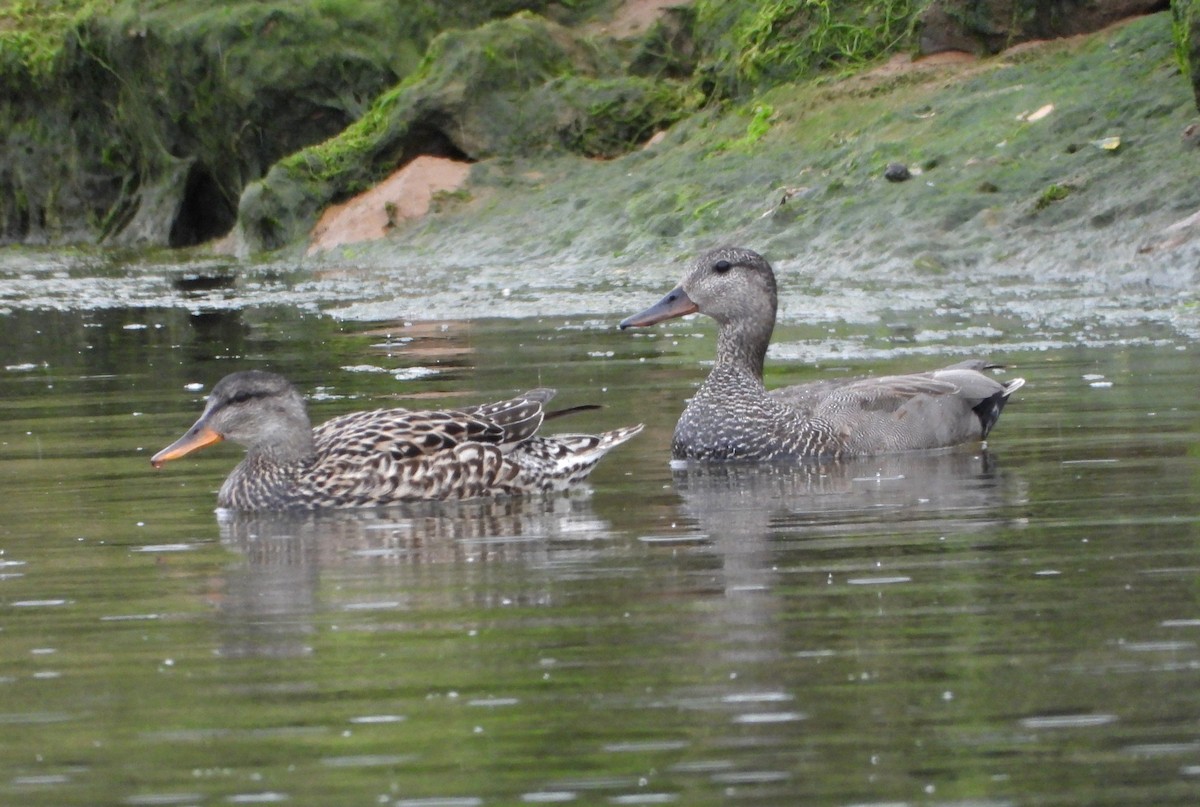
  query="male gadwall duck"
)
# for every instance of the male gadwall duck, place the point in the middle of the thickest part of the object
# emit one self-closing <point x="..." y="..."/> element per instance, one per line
<point x="383" y="456"/>
<point x="734" y="417"/>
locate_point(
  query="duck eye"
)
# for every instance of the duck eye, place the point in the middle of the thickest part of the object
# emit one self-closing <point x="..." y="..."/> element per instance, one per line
<point x="722" y="266"/>
<point x="242" y="396"/>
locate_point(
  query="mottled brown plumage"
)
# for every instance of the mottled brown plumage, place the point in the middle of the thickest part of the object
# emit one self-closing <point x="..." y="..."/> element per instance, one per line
<point x="386" y="455"/>
<point x="733" y="416"/>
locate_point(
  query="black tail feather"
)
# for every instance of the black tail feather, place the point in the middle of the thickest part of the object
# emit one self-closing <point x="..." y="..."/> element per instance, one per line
<point x="570" y="410"/>
<point x="988" y="410"/>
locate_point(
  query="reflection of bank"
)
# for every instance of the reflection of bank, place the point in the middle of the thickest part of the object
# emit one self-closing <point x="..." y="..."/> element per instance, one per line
<point x="410" y="550"/>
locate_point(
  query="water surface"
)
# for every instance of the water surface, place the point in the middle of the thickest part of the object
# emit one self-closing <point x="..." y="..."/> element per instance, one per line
<point x="1015" y="625"/>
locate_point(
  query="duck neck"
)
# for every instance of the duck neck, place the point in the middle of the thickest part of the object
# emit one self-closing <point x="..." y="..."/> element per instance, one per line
<point x="286" y="447"/>
<point x="742" y="347"/>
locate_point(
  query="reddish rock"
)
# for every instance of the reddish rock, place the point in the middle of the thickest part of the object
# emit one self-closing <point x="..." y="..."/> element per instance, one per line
<point x="404" y="195"/>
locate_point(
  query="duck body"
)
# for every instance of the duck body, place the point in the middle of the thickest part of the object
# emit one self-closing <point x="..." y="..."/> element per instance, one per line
<point x="733" y="417"/>
<point x="385" y="456"/>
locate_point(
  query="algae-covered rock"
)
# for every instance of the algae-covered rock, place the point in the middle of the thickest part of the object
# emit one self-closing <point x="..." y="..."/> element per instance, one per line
<point x="163" y="112"/>
<point x="1186" y="29"/>
<point x="512" y="87"/>
<point x="605" y="117"/>
<point x="161" y="122"/>
<point x="669" y="48"/>
<point x="746" y="45"/>
<point x="142" y="122"/>
<point x="993" y="25"/>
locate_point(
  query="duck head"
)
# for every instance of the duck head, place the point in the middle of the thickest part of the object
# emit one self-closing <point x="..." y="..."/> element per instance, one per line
<point x="259" y="410"/>
<point x="729" y="284"/>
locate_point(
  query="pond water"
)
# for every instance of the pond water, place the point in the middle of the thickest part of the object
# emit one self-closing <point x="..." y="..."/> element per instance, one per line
<point x="1015" y="625"/>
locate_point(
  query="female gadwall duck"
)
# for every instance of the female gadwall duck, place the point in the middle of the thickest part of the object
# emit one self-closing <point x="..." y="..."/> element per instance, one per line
<point x="383" y="456"/>
<point x="733" y="416"/>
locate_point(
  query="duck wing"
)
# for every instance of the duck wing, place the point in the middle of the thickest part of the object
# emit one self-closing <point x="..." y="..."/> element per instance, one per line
<point x="394" y="455"/>
<point x="944" y="407"/>
<point x="809" y="396"/>
<point x="404" y="433"/>
<point x="519" y="417"/>
<point x="889" y="393"/>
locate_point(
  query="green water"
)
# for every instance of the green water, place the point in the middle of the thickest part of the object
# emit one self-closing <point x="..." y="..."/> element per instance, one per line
<point x="1015" y="626"/>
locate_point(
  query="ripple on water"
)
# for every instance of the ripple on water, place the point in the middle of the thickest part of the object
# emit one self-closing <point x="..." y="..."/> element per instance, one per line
<point x="1157" y="647"/>
<point x="750" y="777"/>
<point x="382" y="605"/>
<point x="1162" y="749"/>
<point x="549" y="797"/>
<point x="877" y="581"/>
<point x="695" y="538"/>
<point x="368" y="719"/>
<point x="163" y="799"/>
<point x="368" y="760"/>
<point x="596" y="783"/>
<point x="756" y="697"/>
<point x="493" y="702"/>
<point x="34" y="718"/>
<point x="645" y="747"/>
<point x="42" y="780"/>
<point x="769" y="717"/>
<point x="1067" y="721"/>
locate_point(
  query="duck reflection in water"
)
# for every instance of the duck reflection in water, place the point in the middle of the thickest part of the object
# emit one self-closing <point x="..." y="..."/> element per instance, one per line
<point x="958" y="489"/>
<point x="410" y="549"/>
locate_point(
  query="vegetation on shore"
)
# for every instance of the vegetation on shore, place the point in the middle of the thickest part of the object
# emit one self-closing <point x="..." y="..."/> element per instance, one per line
<point x="157" y="123"/>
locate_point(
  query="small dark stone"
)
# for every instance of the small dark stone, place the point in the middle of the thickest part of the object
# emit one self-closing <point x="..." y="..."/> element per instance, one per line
<point x="896" y="172"/>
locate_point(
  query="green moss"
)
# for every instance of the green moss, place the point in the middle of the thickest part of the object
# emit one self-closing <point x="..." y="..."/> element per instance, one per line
<point x="754" y="44"/>
<point x="346" y="151"/>
<point x="1052" y="193"/>
<point x="131" y="95"/>
<point x="469" y="97"/>
<point x="609" y="116"/>
<point x="1185" y="33"/>
<point x="1181" y="26"/>
<point x="442" y="201"/>
<point x="33" y="32"/>
<point x="761" y="117"/>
